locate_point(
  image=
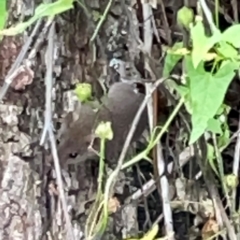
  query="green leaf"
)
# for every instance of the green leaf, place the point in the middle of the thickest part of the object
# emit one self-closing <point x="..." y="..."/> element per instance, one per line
<point x="235" y="64"/>
<point x="207" y="93"/>
<point x="201" y="43"/>
<point x="224" y="109"/>
<point x="232" y="35"/>
<point x="171" y="59"/>
<point x="231" y="181"/>
<point x="184" y="92"/>
<point x="185" y="16"/>
<point x="211" y="158"/>
<point x="214" y="125"/>
<point x="83" y="91"/>
<point x="51" y="9"/>
<point x="181" y="89"/>
<point x="224" y="139"/>
<point x="226" y="50"/>
<point x="3" y="13"/>
<point x="151" y="234"/>
<point x="43" y="10"/>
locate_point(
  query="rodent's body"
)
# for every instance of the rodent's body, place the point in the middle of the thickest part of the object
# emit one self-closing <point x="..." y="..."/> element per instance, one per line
<point x="120" y="108"/>
<point x="76" y="136"/>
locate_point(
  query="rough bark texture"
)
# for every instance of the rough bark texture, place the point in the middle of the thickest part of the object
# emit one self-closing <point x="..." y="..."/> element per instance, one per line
<point x="30" y="207"/>
<point x="28" y="204"/>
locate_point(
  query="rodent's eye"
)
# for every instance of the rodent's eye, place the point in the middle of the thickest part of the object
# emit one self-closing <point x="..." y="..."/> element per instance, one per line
<point x="73" y="155"/>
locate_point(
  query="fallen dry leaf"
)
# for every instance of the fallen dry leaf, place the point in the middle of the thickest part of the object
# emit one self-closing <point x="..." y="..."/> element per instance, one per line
<point x="210" y="229"/>
<point x="113" y="204"/>
<point x="23" y="78"/>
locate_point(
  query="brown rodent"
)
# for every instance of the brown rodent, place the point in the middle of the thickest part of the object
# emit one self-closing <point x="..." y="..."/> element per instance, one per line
<point x="120" y="108"/>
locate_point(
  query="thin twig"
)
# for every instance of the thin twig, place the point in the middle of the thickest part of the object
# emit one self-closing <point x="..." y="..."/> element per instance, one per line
<point x="218" y="206"/>
<point x="60" y="184"/>
<point x="208" y="15"/>
<point x="150" y="186"/>
<point x="166" y="26"/>
<point x="131" y="132"/>
<point x="14" y="69"/>
<point x="220" y="213"/>
<point x="113" y="177"/>
<point x="48" y="126"/>
<point x="49" y="85"/>
<point x="148" y="38"/>
<point x="92" y="24"/>
<point x="40" y="40"/>
<point x="235" y="10"/>
<point x="160" y="163"/>
<point x="147" y="221"/>
<point x="102" y="19"/>
<point x="236" y="162"/>
<point x="136" y="119"/>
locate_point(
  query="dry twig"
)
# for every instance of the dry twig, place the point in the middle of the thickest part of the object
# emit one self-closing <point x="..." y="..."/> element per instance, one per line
<point x="48" y="130"/>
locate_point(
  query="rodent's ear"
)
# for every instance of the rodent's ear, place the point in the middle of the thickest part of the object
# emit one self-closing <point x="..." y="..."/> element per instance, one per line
<point x="77" y="113"/>
<point x="92" y="141"/>
<point x="65" y="125"/>
<point x="89" y="139"/>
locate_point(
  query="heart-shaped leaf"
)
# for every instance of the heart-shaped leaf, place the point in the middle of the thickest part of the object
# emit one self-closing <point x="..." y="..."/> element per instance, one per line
<point x="201" y="43"/>
<point x="171" y="59"/>
<point x="207" y="93"/>
<point x="232" y="35"/>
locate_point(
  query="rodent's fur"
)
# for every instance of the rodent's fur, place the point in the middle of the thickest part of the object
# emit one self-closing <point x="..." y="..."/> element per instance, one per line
<point x="120" y="108"/>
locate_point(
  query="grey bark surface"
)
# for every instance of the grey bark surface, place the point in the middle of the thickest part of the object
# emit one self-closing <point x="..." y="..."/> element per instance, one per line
<point x="30" y="207"/>
<point x="29" y="204"/>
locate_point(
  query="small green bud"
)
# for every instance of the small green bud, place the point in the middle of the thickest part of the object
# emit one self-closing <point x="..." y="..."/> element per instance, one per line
<point x="185" y="17"/>
<point x="83" y="91"/>
<point x="104" y="130"/>
<point x="96" y="15"/>
<point x="231" y="181"/>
